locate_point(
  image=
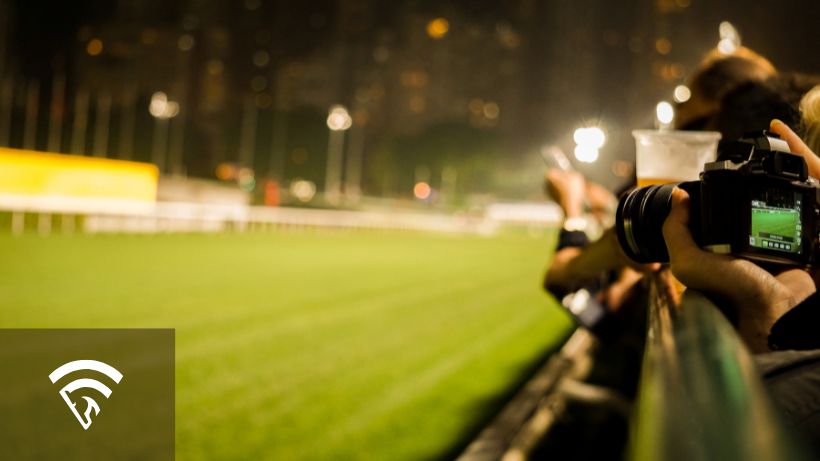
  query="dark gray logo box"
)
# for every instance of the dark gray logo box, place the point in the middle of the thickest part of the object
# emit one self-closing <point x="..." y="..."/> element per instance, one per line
<point x="135" y="423"/>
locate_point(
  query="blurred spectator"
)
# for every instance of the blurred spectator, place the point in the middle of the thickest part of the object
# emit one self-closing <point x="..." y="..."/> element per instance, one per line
<point x="750" y="106"/>
<point x="732" y="94"/>
<point x="576" y="263"/>
<point x="810" y="110"/>
<point x="716" y="76"/>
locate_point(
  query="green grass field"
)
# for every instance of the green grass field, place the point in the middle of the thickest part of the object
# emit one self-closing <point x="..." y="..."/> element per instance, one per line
<point x="307" y="346"/>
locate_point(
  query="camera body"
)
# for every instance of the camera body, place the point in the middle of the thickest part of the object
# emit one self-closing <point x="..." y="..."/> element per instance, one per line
<point x="756" y="202"/>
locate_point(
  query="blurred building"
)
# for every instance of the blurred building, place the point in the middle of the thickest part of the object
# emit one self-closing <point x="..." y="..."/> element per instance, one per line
<point x="253" y="79"/>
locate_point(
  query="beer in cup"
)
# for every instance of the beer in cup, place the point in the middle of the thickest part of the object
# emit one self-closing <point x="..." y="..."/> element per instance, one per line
<point x="664" y="157"/>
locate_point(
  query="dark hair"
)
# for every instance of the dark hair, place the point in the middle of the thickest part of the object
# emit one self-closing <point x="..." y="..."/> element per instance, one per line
<point x="752" y="105"/>
<point x="721" y="76"/>
<point x="713" y="79"/>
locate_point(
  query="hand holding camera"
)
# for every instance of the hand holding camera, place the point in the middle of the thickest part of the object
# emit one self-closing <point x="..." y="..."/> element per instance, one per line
<point x="757" y="296"/>
<point x="756" y="202"/>
<point x="753" y="297"/>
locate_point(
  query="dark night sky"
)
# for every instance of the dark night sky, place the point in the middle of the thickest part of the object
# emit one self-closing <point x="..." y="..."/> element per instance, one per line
<point x="575" y="60"/>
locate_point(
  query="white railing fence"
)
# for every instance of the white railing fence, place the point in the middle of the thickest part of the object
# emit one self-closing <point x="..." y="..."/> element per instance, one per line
<point x="58" y="215"/>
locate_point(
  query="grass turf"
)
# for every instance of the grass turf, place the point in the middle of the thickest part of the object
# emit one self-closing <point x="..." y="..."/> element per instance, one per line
<point x="307" y="346"/>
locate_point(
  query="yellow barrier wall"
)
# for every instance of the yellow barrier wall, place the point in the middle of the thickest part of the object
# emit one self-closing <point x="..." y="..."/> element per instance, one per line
<point x="39" y="174"/>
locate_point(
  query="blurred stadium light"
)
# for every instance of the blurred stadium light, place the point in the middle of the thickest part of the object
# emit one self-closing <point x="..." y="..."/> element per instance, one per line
<point x="665" y="114"/>
<point x="588" y="141"/>
<point x="163" y="110"/>
<point x="729" y="38"/>
<point x="682" y="93"/>
<point x="422" y="190"/>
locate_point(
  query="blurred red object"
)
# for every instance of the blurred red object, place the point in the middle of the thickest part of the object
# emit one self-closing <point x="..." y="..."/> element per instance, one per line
<point x="271" y="193"/>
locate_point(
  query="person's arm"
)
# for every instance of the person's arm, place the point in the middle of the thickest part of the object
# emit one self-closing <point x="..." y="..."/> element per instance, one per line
<point x="572" y="267"/>
<point x="568" y="188"/>
<point x="602" y="202"/>
<point x="757" y="297"/>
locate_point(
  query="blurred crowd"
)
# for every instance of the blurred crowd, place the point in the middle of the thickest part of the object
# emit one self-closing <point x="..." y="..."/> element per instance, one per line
<point x="775" y="310"/>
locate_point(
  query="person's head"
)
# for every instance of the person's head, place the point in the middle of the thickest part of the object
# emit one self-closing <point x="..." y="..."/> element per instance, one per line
<point x="810" y="111"/>
<point x="750" y="106"/>
<point x="716" y="76"/>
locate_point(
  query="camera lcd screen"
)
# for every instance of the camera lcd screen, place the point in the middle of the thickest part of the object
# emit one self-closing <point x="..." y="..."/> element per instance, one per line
<point x="776" y="221"/>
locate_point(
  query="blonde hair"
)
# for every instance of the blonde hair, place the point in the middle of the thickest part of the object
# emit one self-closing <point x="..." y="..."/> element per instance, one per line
<point x="765" y="66"/>
<point x="810" y="111"/>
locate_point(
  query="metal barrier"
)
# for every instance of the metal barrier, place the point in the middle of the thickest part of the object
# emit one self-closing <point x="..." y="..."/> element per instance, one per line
<point x="700" y="397"/>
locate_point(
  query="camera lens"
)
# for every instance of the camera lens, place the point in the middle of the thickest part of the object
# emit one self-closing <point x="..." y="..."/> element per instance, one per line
<point x="639" y="223"/>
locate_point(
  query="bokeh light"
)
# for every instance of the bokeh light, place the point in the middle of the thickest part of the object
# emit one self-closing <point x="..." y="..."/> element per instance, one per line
<point x="438" y="28"/>
<point x="303" y="190"/>
<point x="422" y="190"/>
<point x="247" y="179"/>
<point x="665" y="112"/>
<point x="185" y="42"/>
<point x="590" y="136"/>
<point x="622" y="168"/>
<point x="225" y="171"/>
<point x="94" y="47"/>
<point x="161" y="107"/>
<point x="729" y="38"/>
<point x="338" y="118"/>
<point x="682" y="93"/>
<point x="586" y="153"/>
<point x="726" y="46"/>
<point x="663" y="46"/>
<point x="491" y="110"/>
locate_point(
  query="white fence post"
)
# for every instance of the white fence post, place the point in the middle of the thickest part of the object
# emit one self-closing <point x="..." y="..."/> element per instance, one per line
<point x="44" y="223"/>
<point x="18" y="222"/>
<point x="67" y="223"/>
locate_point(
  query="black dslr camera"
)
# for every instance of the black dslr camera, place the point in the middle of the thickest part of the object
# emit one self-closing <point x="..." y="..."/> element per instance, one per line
<point x="756" y="202"/>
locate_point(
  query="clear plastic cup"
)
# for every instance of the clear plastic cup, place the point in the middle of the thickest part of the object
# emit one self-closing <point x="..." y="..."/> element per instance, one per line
<point x="663" y="157"/>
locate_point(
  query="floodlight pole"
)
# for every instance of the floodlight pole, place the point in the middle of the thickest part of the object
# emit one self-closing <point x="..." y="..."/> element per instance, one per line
<point x="80" y="124"/>
<point x="333" y="180"/>
<point x="6" y="104"/>
<point x="160" y="142"/>
<point x="338" y="121"/>
<point x="353" y="172"/>
<point x="101" y="125"/>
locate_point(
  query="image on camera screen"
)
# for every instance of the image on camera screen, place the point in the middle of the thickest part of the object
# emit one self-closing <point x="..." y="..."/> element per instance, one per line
<point x="776" y="222"/>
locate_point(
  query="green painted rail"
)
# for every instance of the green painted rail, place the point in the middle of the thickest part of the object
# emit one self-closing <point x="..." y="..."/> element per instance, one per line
<point x="700" y="397"/>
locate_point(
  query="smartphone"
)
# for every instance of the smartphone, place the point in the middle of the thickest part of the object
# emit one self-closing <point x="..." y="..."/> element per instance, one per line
<point x="554" y="157"/>
<point x="584" y="308"/>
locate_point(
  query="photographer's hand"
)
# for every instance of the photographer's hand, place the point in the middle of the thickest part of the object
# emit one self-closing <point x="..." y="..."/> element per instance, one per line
<point x="758" y="297"/>
<point x="797" y="146"/>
